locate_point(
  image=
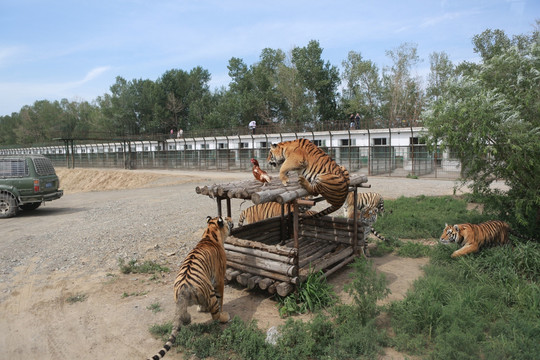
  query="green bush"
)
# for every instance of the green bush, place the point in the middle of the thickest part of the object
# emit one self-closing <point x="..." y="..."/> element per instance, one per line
<point x="312" y="294"/>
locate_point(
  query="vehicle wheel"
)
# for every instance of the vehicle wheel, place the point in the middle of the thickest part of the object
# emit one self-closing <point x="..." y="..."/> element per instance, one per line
<point x="30" y="206"/>
<point x="8" y="207"/>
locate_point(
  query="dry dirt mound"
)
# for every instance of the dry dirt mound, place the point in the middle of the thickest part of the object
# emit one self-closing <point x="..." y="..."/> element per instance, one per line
<point x="84" y="180"/>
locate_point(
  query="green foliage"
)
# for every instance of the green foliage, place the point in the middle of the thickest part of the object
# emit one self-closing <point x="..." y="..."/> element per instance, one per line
<point x="155" y="308"/>
<point x="312" y="294"/>
<point x="147" y="267"/>
<point x="423" y="216"/>
<point x="365" y="288"/>
<point x="76" y="298"/>
<point x="350" y="333"/>
<point x="467" y="308"/>
<point x="490" y="116"/>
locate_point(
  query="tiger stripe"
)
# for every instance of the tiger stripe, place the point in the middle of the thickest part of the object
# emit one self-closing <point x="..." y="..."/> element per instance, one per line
<point x="201" y="279"/>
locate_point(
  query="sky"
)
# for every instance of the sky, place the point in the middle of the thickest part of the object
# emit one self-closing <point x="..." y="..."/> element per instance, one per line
<point x="75" y="49"/>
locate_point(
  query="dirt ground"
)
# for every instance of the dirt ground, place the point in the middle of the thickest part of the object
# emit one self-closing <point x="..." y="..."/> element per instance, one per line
<point x="40" y="320"/>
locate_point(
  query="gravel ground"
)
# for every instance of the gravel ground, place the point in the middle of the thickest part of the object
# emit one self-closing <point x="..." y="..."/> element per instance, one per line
<point x="83" y="231"/>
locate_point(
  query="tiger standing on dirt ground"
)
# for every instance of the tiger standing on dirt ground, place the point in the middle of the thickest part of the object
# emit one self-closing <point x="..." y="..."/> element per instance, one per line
<point x="318" y="172"/>
<point x="473" y="237"/>
<point x="201" y="279"/>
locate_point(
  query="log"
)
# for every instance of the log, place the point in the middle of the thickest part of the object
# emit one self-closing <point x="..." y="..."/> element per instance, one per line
<point x="339" y="266"/>
<point x="257" y="271"/>
<point x="280" y="250"/>
<point x="263" y="264"/>
<point x="265" y="283"/>
<point x="260" y="254"/>
<point x="273" y="221"/>
<point x="323" y="263"/>
<point x="314" y="235"/>
<point x="268" y="238"/>
<point x="325" y="250"/>
<point x="290" y="195"/>
<point x="231" y="274"/>
<point x="253" y="281"/>
<point x="283" y="289"/>
<point x="272" y="289"/>
<point x="242" y="279"/>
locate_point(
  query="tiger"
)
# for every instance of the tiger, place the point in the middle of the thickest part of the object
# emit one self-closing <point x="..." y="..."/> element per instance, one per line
<point x="369" y="199"/>
<point x="267" y="210"/>
<point x="473" y="237"/>
<point x="201" y="279"/>
<point x="370" y="205"/>
<point x="318" y="172"/>
<point x="367" y="217"/>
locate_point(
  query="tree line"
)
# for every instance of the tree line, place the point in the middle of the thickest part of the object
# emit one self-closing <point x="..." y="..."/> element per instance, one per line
<point x="287" y="89"/>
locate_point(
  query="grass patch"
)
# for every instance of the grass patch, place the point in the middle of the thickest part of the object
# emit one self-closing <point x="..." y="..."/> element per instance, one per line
<point x="125" y="294"/>
<point x="423" y="217"/>
<point x="346" y="332"/>
<point x="412" y="249"/>
<point x="485" y="305"/>
<point x="313" y="294"/>
<point x="76" y="298"/>
<point x="155" y="308"/>
<point x="147" y="267"/>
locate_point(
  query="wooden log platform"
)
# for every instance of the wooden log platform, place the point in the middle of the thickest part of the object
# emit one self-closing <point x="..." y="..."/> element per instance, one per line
<point x="274" y="255"/>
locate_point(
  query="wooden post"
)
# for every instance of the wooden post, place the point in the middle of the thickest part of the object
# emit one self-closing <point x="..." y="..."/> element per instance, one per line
<point x="355" y="228"/>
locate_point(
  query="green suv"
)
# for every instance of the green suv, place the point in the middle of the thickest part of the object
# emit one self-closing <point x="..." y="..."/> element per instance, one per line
<point x="25" y="182"/>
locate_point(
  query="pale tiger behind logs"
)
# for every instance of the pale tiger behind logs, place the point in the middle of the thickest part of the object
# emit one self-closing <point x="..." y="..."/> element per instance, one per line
<point x="369" y="206"/>
<point x="318" y="172"/>
<point x="368" y="199"/>
<point x="201" y="279"/>
<point x="267" y="210"/>
<point x="473" y="237"/>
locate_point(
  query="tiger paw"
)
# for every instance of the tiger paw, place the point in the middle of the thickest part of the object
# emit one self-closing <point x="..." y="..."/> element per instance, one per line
<point x="303" y="182"/>
<point x="224" y="317"/>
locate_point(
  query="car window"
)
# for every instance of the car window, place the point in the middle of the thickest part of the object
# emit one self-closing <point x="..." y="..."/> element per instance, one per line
<point x="13" y="168"/>
<point x="44" y="166"/>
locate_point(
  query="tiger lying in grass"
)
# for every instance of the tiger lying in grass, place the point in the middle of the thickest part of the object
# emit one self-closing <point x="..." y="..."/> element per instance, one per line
<point x="473" y="237"/>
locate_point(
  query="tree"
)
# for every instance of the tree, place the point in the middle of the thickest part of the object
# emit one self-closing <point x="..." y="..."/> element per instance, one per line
<point x="319" y="78"/>
<point x="441" y="69"/>
<point x="363" y="92"/>
<point x="491" y="118"/>
<point x="403" y="95"/>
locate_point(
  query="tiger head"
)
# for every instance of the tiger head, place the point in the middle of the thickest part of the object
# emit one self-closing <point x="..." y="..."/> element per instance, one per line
<point x="276" y="156"/>
<point x="222" y="226"/>
<point x="368" y="215"/>
<point x="450" y="234"/>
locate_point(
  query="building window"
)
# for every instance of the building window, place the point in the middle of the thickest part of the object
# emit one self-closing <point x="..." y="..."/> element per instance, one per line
<point x="205" y="146"/>
<point x="263" y="145"/>
<point x="379" y="141"/>
<point x="320" y="143"/>
<point x="221" y="145"/>
<point x="416" y="141"/>
<point x="189" y="147"/>
<point x="243" y="145"/>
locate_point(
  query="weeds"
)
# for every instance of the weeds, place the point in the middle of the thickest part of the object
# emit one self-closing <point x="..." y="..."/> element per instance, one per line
<point x="76" y="298"/>
<point x="312" y="294"/>
<point x="155" y="308"/>
<point x="147" y="267"/>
